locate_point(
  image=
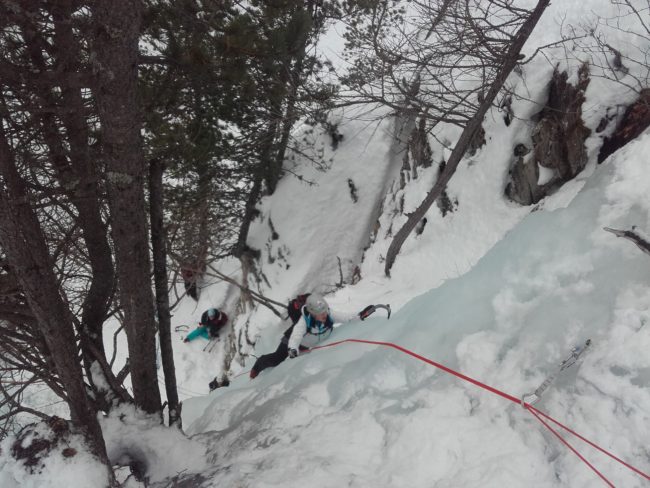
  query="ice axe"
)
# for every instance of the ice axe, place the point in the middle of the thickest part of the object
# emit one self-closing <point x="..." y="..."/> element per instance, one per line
<point x="370" y="309"/>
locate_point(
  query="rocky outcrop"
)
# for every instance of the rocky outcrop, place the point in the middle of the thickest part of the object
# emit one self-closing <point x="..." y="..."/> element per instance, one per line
<point x="635" y="120"/>
<point x="417" y="153"/>
<point x="557" y="142"/>
<point x="524" y="175"/>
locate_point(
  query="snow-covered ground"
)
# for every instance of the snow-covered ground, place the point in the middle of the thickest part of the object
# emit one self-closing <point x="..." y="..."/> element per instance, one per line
<point x="363" y="415"/>
<point x="494" y="290"/>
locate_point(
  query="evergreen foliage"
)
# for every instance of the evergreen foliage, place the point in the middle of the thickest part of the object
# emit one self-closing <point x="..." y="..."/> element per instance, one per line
<point x="222" y="87"/>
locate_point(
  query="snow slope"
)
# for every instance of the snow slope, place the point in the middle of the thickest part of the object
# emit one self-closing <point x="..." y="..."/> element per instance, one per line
<point x="360" y="415"/>
<point x="494" y="290"/>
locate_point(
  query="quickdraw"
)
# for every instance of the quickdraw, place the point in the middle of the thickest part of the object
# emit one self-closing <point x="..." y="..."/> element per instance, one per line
<point x="576" y="353"/>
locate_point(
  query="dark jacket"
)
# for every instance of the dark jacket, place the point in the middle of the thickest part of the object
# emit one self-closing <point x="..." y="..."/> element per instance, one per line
<point x="213" y="325"/>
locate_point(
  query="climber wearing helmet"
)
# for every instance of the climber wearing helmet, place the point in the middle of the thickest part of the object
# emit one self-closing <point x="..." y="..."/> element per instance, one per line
<point x="313" y="325"/>
<point x="211" y="322"/>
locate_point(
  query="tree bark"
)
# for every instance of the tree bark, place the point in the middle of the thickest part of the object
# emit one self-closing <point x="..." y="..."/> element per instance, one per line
<point x="509" y="62"/>
<point x="162" y="294"/>
<point x="289" y="116"/>
<point x="85" y="193"/>
<point x="24" y="243"/>
<point x="249" y="214"/>
<point x="76" y="173"/>
<point x="117" y="26"/>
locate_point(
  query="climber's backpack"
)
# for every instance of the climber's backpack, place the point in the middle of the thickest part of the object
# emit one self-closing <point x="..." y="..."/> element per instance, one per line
<point x="295" y="305"/>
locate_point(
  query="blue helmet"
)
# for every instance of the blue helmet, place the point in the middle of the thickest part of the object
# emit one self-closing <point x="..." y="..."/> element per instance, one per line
<point x="212" y="313"/>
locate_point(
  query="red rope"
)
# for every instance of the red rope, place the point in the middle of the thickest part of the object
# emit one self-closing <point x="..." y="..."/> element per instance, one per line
<point x="564" y="441"/>
<point x="595" y="446"/>
<point x="428" y="361"/>
<point x="537" y="413"/>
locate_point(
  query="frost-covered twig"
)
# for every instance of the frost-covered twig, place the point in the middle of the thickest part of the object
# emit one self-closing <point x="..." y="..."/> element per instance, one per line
<point x="641" y="242"/>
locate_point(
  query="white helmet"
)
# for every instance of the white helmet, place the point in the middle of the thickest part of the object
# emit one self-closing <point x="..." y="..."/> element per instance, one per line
<point x="316" y="304"/>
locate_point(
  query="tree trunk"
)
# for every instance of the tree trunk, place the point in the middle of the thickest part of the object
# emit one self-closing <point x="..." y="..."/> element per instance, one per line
<point x="289" y="116"/>
<point x="199" y="251"/>
<point x="85" y="194"/>
<point x="273" y="153"/>
<point x="162" y="294"/>
<point x="249" y="214"/>
<point x="268" y="163"/>
<point x="117" y="26"/>
<point x="24" y="243"/>
<point x="510" y="61"/>
<point x="281" y="127"/>
<point x="77" y="175"/>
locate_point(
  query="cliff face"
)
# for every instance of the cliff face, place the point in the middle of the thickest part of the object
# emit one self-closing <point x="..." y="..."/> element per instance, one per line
<point x="635" y="120"/>
<point x="557" y="142"/>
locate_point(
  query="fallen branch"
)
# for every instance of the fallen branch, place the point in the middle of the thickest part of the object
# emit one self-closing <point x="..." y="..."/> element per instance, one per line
<point x="258" y="297"/>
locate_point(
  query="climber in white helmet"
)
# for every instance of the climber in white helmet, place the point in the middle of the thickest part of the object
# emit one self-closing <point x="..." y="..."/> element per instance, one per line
<point x="314" y="324"/>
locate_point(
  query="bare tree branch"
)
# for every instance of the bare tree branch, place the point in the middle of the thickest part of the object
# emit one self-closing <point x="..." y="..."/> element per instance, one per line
<point x="633" y="236"/>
